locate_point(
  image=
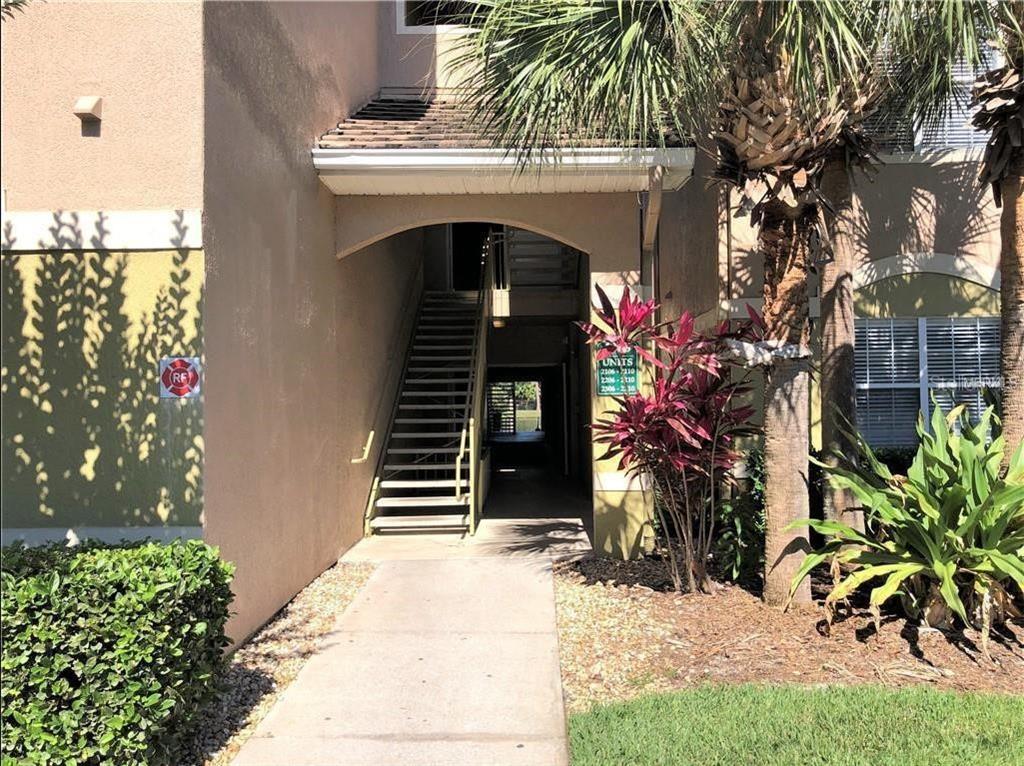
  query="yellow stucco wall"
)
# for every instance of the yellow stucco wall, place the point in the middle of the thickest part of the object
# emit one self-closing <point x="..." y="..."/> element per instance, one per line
<point x="87" y="441"/>
<point x="912" y="295"/>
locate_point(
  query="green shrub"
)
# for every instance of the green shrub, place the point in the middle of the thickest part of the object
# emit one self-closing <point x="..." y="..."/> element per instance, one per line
<point x="108" y="651"/>
<point x="948" y="537"/>
<point x="739" y="542"/>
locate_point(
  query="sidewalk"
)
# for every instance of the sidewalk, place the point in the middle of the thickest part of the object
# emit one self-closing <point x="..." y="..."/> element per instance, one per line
<point x="437" y="661"/>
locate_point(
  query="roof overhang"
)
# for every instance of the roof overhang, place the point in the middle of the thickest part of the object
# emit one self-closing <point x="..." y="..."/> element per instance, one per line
<point x="496" y="171"/>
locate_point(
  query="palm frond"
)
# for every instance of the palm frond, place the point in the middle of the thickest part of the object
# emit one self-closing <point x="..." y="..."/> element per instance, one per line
<point x="543" y="73"/>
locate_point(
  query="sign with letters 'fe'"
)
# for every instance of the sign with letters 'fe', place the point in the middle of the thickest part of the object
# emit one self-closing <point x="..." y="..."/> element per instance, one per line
<point x="180" y="377"/>
<point x="618" y="375"/>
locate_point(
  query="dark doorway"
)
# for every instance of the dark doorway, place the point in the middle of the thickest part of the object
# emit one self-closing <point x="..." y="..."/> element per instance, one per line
<point x="526" y="418"/>
<point x="468" y="243"/>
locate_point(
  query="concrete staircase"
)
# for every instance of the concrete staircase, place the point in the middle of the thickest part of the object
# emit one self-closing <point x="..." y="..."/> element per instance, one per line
<point x="425" y="480"/>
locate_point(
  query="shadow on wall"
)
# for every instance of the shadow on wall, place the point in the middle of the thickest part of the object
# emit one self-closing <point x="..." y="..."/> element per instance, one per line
<point x="904" y="209"/>
<point x="86" y="438"/>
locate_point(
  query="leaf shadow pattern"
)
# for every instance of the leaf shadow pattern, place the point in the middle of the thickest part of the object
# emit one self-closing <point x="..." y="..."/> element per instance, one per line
<point x="87" y="439"/>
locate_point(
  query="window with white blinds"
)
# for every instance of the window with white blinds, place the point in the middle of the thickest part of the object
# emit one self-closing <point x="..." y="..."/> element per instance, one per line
<point x="902" y="363"/>
<point x="952" y="130"/>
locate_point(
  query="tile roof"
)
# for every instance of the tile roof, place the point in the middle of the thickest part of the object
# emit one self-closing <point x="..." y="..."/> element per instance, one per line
<point x="410" y="119"/>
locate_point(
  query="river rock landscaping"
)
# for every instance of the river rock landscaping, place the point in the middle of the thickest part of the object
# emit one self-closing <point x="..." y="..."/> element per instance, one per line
<point x="262" y="667"/>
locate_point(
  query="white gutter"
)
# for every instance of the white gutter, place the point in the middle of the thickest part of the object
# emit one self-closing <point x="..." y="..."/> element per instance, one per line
<point x="446" y="171"/>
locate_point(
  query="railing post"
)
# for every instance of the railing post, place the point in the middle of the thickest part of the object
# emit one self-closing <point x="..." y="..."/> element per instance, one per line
<point x="474" y="460"/>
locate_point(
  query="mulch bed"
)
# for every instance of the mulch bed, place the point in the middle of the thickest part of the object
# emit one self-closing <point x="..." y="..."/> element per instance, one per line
<point x="624" y="633"/>
<point x="262" y="667"/>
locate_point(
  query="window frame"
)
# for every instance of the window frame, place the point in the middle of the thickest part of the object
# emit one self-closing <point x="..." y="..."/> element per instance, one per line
<point x="924" y="385"/>
<point x="402" y="28"/>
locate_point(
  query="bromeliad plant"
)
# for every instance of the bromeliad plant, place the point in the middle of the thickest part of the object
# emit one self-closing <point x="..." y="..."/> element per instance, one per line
<point x="947" y="538"/>
<point x="681" y="436"/>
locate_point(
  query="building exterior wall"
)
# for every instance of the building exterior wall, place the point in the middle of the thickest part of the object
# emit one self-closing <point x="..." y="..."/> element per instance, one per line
<point x="913" y="208"/>
<point x="88" y="444"/>
<point x="297" y="342"/>
<point x="146" y="61"/>
<point x="907" y="207"/>
<point x="688" y="246"/>
<point x="410" y="59"/>
<point x="605" y="226"/>
<point x="917" y="295"/>
<point x="102" y="269"/>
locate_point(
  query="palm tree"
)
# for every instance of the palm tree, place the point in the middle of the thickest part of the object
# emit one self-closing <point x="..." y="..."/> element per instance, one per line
<point x="778" y="86"/>
<point x="1000" y="97"/>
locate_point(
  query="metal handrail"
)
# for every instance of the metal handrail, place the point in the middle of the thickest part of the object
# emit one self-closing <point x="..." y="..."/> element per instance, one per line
<point x="472" y="401"/>
<point x="406" y="352"/>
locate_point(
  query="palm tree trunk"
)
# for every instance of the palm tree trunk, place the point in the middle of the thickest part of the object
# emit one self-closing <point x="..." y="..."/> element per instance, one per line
<point x="783" y="240"/>
<point x="1011" y="229"/>
<point x="838" y="391"/>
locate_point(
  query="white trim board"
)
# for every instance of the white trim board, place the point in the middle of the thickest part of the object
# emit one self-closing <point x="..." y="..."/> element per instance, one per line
<point x="402" y="28"/>
<point x="497" y="171"/>
<point x="40" y="535"/>
<point x="34" y="230"/>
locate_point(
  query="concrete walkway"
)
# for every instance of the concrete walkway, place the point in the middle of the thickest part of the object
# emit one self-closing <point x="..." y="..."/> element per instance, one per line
<point x="439" y="661"/>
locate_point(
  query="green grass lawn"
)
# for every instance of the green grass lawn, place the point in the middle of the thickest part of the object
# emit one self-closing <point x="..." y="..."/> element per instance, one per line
<point x="794" y="725"/>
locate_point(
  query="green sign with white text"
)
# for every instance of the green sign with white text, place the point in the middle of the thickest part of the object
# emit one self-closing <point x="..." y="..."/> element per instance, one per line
<point x="618" y="375"/>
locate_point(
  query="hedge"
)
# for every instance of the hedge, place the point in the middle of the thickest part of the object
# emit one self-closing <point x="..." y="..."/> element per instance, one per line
<point x="108" y="651"/>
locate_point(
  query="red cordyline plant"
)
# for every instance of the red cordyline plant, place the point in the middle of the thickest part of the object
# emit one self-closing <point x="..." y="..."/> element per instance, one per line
<point x="682" y="434"/>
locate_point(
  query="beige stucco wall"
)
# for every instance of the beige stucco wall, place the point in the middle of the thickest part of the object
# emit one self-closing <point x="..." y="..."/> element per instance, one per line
<point x="410" y="59"/>
<point x="145" y="60"/>
<point x="606" y="226"/>
<point x="297" y="342"/>
<point x="688" y="245"/>
<point x="905" y="208"/>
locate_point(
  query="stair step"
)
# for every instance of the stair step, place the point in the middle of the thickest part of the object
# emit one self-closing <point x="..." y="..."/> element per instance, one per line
<point x="422" y="483"/>
<point x="447" y="347"/>
<point x="456" y="368"/>
<point x="449" y="521"/>
<point x="439" y="357"/>
<point x="453" y="406"/>
<point x="445" y="501"/>
<point x="428" y="420"/>
<point x="419" y="466"/>
<point x="423" y="451"/>
<point x="426" y="435"/>
<point x="436" y="394"/>
<point x="434" y="381"/>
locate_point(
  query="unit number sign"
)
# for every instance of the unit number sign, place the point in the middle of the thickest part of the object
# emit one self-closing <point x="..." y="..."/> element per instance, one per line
<point x="618" y="375"/>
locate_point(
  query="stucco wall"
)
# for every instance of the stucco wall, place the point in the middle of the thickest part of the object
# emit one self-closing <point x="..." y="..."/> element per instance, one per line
<point x="408" y="59"/>
<point x="296" y="341"/>
<point x="605" y="226"/>
<point x="145" y="60"/>
<point x="918" y="295"/>
<point x="906" y="208"/>
<point x="87" y="441"/>
<point x="688" y="246"/>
